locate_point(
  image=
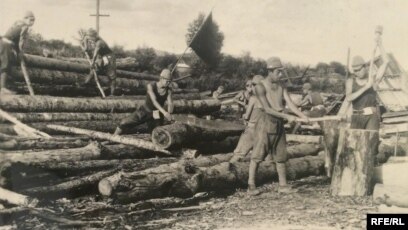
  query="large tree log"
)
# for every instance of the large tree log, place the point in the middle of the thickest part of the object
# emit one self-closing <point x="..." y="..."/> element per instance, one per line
<point x="121" y="151"/>
<point x="304" y="138"/>
<point x="102" y="126"/>
<point x="61" y="65"/>
<point x="43" y="76"/>
<point x="331" y="132"/>
<point x="92" y="91"/>
<point x="180" y="134"/>
<point x="70" y="188"/>
<point x="90" y="151"/>
<point x="173" y="180"/>
<point x="23" y="103"/>
<point x="115" y="138"/>
<point x="391" y="195"/>
<point x="392" y="174"/>
<point x="354" y="167"/>
<point x="108" y="185"/>
<point x="17" y="199"/>
<point x="198" y="107"/>
<point x="89" y="165"/>
<point x="24" y="144"/>
<point x="47" y="117"/>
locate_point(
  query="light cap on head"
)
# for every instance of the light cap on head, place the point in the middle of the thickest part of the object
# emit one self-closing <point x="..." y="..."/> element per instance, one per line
<point x="307" y="86"/>
<point x="166" y="74"/>
<point x="29" y="14"/>
<point x="274" y="63"/>
<point x="92" y="32"/>
<point x="357" y="62"/>
<point x="257" y="79"/>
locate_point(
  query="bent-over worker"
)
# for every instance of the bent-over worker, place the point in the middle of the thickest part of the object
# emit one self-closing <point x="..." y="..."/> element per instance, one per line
<point x="152" y="111"/>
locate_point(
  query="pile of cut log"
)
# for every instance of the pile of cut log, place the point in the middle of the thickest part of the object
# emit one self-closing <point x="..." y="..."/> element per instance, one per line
<point x="90" y="113"/>
<point x="57" y="77"/>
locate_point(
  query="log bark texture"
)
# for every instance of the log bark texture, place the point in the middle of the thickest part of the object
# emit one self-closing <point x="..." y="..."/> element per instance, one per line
<point x="198" y="107"/>
<point x="122" y="151"/>
<point x="71" y="187"/>
<point x="52" y="77"/>
<point x="173" y="180"/>
<point x="23" y="103"/>
<point x="51" y="117"/>
<point x="69" y="66"/>
<point x="53" y="143"/>
<point x="89" y="165"/>
<point x="331" y="132"/>
<point x="354" y="165"/>
<point x="90" y="151"/>
<point x="180" y="134"/>
<point x="391" y="195"/>
<point x="101" y="126"/>
<point x="176" y="170"/>
<point x="115" y="138"/>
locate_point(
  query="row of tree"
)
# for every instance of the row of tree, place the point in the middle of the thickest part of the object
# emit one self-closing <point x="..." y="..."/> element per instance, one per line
<point x="225" y="69"/>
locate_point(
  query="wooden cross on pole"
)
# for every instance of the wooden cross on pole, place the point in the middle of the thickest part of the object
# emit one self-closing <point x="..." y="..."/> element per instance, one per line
<point x="97" y="15"/>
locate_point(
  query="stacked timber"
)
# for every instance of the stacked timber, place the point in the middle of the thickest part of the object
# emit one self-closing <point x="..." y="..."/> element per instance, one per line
<point x="89" y="113"/>
<point x="60" y="77"/>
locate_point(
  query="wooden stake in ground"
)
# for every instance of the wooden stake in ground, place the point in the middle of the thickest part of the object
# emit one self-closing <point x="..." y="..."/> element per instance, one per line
<point x="354" y="166"/>
<point x="114" y="138"/>
<point x="32" y="132"/>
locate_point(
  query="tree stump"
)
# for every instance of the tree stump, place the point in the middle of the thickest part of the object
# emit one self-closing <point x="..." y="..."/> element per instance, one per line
<point x="354" y="165"/>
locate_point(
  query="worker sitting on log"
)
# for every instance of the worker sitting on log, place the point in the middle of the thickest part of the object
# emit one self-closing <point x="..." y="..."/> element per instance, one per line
<point x="11" y="48"/>
<point x="251" y="116"/>
<point x="361" y="94"/>
<point x="242" y="98"/>
<point x="270" y="139"/>
<point x="152" y="112"/>
<point x="103" y="59"/>
<point x="312" y="102"/>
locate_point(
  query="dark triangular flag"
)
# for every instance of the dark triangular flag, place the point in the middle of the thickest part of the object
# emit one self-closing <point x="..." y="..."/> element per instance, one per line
<point x="204" y="42"/>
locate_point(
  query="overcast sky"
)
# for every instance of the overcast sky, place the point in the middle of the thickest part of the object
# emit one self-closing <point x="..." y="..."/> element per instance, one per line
<point x="298" y="31"/>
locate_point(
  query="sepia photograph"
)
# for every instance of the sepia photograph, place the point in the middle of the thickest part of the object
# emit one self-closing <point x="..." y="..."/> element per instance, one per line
<point x="203" y="114"/>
